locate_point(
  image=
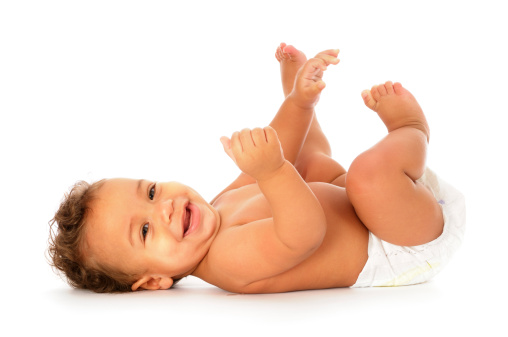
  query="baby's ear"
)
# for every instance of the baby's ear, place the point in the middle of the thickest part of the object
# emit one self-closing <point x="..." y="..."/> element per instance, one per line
<point x="153" y="283"/>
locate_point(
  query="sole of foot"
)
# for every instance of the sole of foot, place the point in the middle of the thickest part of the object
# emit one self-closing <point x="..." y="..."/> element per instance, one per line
<point x="291" y="60"/>
<point x="396" y="107"/>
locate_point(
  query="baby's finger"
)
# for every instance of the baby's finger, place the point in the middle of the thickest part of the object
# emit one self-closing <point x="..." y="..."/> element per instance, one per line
<point x="236" y="145"/>
<point x="246" y="139"/>
<point x="226" y="143"/>
<point x="271" y="134"/>
<point x="258" y="136"/>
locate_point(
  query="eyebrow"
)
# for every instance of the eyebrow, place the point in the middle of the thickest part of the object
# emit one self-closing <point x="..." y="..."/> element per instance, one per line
<point x="131" y="226"/>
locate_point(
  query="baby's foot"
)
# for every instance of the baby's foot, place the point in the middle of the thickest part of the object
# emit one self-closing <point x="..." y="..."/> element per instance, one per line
<point x="309" y="79"/>
<point x="396" y="107"/>
<point x="290" y="59"/>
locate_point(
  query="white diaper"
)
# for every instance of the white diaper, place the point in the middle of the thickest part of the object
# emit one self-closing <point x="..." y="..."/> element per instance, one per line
<point x="389" y="265"/>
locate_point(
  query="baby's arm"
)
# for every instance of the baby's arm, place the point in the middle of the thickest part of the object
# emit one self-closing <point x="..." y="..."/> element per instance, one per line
<point x="294" y="117"/>
<point x="298" y="225"/>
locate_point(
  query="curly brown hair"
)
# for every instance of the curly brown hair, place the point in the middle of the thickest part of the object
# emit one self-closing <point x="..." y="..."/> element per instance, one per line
<point x="67" y="244"/>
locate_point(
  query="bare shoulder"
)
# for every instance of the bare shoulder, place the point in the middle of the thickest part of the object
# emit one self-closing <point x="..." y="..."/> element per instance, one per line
<point x="242" y="180"/>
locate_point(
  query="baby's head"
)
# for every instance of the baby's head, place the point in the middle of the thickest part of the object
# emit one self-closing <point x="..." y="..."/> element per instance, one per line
<point x="118" y="235"/>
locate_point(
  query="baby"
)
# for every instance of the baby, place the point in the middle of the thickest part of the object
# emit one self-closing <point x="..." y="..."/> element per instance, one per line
<point x="294" y="219"/>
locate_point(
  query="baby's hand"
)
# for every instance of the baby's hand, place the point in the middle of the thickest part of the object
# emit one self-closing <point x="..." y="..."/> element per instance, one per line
<point x="256" y="152"/>
<point x="308" y="82"/>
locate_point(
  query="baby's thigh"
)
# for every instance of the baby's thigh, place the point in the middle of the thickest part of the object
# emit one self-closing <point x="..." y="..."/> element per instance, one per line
<point x="319" y="167"/>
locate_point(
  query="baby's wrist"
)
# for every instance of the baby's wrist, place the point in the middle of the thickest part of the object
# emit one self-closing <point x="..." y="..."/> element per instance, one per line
<point x="267" y="176"/>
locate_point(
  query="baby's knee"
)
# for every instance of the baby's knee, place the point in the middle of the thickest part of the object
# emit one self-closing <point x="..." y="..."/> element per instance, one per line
<point x="370" y="170"/>
<point x="319" y="167"/>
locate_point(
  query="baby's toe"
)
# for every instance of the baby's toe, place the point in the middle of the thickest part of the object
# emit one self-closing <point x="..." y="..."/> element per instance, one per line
<point x="368" y="99"/>
<point x="374" y="91"/>
<point x="290" y="50"/>
<point x="389" y="87"/>
<point x="397" y="88"/>
<point x="279" y="53"/>
<point x="382" y="90"/>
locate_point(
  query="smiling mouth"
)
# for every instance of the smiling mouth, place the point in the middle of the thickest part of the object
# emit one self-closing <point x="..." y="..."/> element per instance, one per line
<point x="191" y="219"/>
<point x="187" y="220"/>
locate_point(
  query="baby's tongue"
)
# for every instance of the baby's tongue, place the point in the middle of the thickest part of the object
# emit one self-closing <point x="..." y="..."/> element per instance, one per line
<point x="186" y="223"/>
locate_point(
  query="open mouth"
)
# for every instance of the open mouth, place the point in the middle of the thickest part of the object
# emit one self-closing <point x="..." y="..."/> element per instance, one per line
<point x="187" y="220"/>
<point x="191" y="219"/>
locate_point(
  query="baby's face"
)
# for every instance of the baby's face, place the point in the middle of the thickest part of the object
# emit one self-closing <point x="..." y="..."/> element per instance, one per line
<point x="158" y="229"/>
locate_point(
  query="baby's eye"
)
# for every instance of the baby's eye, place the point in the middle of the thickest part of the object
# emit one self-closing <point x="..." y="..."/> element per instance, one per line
<point x="144" y="230"/>
<point x="151" y="192"/>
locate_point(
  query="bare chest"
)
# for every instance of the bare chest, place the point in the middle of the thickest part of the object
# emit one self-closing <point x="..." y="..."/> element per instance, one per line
<point x="242" y="206"/>
<point x="339" y="259"/>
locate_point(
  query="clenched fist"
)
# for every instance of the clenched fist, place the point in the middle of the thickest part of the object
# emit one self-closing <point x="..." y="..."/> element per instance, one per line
<point x="256" y="152"/>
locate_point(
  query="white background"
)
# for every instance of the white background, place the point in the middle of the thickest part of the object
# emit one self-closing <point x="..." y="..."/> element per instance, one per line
<point x="145" y="89"/>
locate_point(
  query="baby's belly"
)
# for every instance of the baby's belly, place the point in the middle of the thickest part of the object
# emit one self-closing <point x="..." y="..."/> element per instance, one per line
<point x="340" y="258"/>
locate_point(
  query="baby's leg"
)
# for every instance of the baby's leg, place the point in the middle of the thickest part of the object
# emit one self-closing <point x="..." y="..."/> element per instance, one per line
<point x="314" y="161"/>
<point x="381" y="182"/>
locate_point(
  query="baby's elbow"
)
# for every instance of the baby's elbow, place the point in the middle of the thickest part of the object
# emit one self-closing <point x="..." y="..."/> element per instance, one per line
<point x="319" y="233"/>
<point x="313" y="239"/>
<point x="300" y="238"/>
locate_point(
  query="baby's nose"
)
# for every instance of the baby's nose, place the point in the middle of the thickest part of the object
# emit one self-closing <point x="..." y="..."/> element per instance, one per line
<point x="166" y="210"/>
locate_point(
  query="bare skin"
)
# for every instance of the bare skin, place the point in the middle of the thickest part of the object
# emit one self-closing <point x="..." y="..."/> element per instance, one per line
<point x="381" y="182"/>
<point x="314" y="162"/>
<point x="287" y="222"/>
<point x="413" y="215"/>
<point x="291" y="60"/>
<point x="255" y="207"/>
